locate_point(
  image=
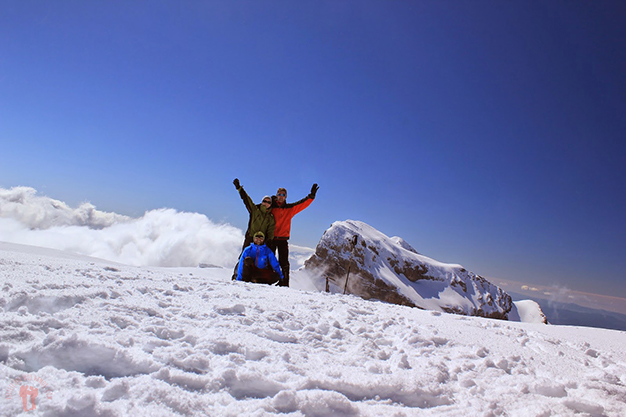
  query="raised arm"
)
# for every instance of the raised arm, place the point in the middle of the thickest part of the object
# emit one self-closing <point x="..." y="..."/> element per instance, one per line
<point x="247" y="201"/>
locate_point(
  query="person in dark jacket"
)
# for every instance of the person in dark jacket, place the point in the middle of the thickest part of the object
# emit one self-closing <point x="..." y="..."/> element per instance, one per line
<point x="261" y="216"/>
<point x="261" y="220"/>
<point x="283" y="213"/>
<point x="259" y="263"/>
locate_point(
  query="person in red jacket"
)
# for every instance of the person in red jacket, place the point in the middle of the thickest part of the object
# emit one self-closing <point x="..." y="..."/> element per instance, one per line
<point x="283" y="213"/>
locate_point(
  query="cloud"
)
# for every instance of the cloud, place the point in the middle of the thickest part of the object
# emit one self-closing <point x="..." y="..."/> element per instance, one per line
<point x="38" y="212"/>
<point x="299" y="254"/>
<point x="163" y="237"/>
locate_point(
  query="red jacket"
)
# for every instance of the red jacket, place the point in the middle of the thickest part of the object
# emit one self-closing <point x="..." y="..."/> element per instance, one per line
<point x="283" y="215"/>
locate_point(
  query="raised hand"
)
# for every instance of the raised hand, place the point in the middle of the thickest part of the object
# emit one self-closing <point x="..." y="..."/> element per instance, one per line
<point x="314" y="190"/>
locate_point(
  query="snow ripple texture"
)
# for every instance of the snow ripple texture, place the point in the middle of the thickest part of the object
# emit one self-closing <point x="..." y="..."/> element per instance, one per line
<point x="114" y="340"/>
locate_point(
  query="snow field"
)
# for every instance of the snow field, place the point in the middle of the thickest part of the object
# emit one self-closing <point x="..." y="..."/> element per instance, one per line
<point x="114" y="340"/>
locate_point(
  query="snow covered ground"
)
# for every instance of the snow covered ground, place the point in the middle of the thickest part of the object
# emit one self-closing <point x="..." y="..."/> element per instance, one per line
<point x="98" y="338"/>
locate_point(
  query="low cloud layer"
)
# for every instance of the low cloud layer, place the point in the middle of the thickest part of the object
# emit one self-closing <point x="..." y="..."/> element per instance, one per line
<point x="163" y="237"/>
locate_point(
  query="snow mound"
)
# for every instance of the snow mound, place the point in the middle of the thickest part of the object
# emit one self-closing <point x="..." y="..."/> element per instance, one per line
<point x="529" y="311"/>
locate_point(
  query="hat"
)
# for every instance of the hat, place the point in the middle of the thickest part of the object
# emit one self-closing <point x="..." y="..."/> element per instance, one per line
<point x="267" y="197"/>
<point x="259" y="234"/>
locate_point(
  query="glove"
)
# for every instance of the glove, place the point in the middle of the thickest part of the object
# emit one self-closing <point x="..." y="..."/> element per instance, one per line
<point x="314" y="191"/>
<point x="236" y="183"/>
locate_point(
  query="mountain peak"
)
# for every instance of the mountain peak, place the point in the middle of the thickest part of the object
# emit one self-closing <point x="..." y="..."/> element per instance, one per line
<point x="389" y="269"/>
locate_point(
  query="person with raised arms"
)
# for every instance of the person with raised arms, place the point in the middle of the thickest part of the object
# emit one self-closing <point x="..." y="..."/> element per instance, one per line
<point x="283" y="213"/>
<point x="261" y="219"/>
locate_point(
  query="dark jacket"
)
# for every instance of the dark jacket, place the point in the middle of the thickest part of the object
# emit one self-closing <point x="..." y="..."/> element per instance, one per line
<point x="261" y="220"/>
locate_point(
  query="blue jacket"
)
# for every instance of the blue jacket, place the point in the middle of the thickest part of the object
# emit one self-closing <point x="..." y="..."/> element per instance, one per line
<point x="262" y="257"/>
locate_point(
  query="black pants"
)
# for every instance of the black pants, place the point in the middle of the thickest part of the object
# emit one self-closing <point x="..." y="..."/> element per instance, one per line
<point x="282" y="245"/>
<point x="259" y="275"/>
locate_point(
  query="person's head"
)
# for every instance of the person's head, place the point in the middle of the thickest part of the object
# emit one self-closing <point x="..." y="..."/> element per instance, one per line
<point x="281" y="195"/>
<point x="267" y="201"/>
<point x="259" y="237"/>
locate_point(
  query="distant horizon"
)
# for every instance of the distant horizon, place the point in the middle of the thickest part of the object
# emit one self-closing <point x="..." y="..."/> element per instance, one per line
<point x="564" y="295"/>
<point x="41" y="221"/>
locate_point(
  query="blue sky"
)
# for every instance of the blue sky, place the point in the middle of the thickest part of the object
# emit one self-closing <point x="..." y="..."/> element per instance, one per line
<point x="486" y="133"/>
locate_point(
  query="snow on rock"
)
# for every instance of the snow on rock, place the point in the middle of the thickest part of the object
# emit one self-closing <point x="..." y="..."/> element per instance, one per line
<point x="389" y="269"/>
<point x="528" y="311"/>
<point x="103" y="339"/>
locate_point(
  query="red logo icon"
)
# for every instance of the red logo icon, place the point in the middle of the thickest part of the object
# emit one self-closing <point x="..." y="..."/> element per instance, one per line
<point x="25" y="392"/>
<point x="28" y="387"/>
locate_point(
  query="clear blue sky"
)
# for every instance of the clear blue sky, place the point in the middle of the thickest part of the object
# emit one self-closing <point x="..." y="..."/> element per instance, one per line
<point x="486" y="133"/>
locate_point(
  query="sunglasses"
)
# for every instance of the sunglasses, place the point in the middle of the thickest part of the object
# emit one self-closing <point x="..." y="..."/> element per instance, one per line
<point x="282" y="195"/>
<point x="259" y="237"/>
<point x="267" y="201"/>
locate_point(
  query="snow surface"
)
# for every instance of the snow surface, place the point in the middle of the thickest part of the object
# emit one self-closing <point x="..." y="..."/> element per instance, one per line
<point x="103" y="339"/>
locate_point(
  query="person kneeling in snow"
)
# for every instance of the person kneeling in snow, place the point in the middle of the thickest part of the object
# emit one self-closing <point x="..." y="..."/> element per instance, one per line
<point x="257" y="261"/>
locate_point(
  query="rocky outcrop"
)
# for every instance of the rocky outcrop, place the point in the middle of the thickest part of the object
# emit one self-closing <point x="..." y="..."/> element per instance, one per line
<point x="389" y="269"/>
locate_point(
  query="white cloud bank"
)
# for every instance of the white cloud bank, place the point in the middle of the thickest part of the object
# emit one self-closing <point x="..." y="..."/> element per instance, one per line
<point x="161" y="237"/>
